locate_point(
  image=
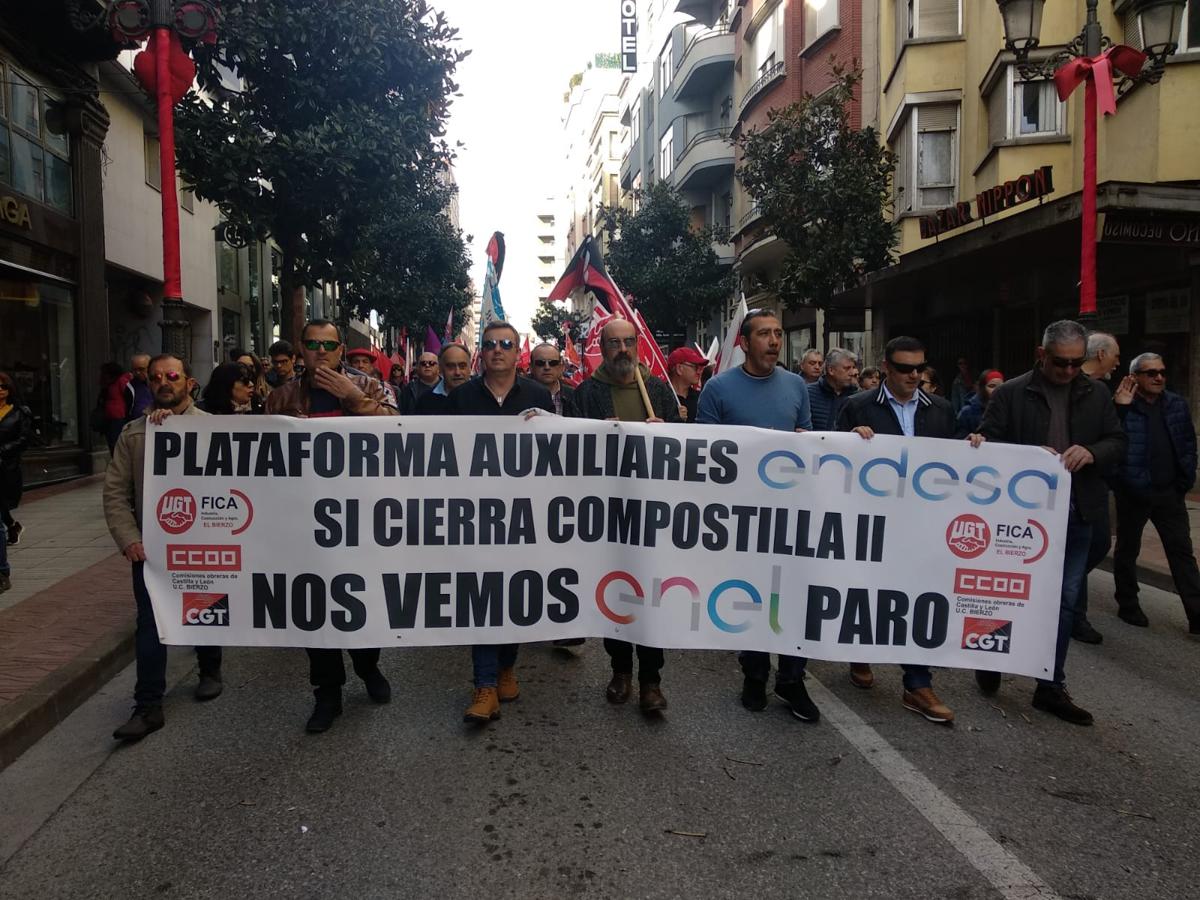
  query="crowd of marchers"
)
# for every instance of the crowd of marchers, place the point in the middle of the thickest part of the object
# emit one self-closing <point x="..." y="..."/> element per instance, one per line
<point x="1136" y="441"/>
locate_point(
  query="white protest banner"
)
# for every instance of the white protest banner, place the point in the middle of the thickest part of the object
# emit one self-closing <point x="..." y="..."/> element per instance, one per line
<point x="382" y="532"/>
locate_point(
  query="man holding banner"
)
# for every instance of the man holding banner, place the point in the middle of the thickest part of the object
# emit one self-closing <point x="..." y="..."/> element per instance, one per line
<point x="622" y="388"/>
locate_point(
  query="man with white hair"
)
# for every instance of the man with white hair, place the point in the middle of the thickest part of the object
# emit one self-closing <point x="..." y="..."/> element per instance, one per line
<point x="829" y="393"/>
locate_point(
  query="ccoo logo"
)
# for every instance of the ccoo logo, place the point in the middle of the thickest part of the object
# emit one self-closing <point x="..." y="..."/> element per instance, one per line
<point x="988" y="635"/>
<point x="176" y="511"/>
<point x="968" y="536"/>
<point x="205" y="609"/>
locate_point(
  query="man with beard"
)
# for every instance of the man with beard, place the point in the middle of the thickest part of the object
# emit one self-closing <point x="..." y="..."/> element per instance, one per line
<point x="454" y="362"/>
<point x="172" y="382"/>
<point x="613" y="393"/>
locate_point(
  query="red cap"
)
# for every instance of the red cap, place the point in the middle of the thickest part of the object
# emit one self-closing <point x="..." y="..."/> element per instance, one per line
<point x="686" y="355"/>
<point x="992" y="375"/>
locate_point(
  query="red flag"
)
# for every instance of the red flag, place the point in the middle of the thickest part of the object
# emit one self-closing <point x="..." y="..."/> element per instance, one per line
<point x="574" y="367"/>
<point x="592" y="356"/>
<point x="449" y="338"/>
<point x="523" y="362"/>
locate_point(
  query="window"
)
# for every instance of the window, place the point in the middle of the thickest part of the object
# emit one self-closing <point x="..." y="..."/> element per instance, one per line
<point x="635" y="120"/>
<point x="614" y="145"/>
<point x="635" y="202"/>
<point x="926" y="19"/>
<point x="820" y="17"/>
<point x="767" y="43"/>
<point x="34" y="159"/>
<point x="153" y="172"/>
<point x="926" y="147"/>
<point x="187" y="200"/>
<point x="1035" y="108"/>
<point x="666" y="153"/>
<point x="665" y="69"/>
<point x="1189" y="37"/>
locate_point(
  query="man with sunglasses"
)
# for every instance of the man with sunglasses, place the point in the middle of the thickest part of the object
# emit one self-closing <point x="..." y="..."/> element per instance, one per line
<point x="454" y="362"/>
<point x="1057" y="407"/>
<point x="1158" y="470"/>
<point x="327" y="389"/>
<point x="684" y="367"/>
<point x="172" y="384"/>
<point x="499" y="392"/>
<point x="900" y="406"/>
<point x="425" y="377"/>
<point x="546" y="367"/>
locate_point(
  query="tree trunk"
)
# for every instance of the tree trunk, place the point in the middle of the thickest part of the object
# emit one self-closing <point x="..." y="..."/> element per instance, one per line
<point x="291" y="299"/>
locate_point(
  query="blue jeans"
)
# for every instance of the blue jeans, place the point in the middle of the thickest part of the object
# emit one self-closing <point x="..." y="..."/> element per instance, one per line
<point x="5" y="569"/>
<point x="1097" y="550"/>
<point x="917" y="677"/>
<point x="1075" y="560"/>
<point x="152" y="654"/>
<point x="757" y="665"/>
<point x="489" y="659"/>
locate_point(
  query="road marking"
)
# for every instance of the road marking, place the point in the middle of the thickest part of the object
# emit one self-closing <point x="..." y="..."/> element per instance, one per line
<point x="1007" y="874"/>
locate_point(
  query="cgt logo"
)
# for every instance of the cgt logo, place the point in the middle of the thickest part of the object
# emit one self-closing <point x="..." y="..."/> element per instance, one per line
<point x="176" y="511"/>
<point x="205" y="609"/>
<point x="204" y="558"/>
<point x="1000" y="585"/>
<point x="988" y="635"/>
<point x="968" y="536"/>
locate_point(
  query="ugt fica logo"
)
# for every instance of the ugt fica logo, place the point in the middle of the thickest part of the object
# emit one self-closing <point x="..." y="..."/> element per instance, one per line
<point x="205" y="609"/>
<point x="176" y="511"/>
<point x="968" y="536"/>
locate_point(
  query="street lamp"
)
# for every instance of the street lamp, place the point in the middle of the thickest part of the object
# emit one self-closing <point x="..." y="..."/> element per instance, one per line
<point x="1090" y="59"/>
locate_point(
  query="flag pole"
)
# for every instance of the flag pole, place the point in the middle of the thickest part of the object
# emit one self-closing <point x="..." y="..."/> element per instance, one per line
<point x="637" y="371"/>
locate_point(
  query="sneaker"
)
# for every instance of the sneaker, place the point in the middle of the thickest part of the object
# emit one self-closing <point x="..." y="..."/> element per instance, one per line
<point x="484" y="708"/>
<point x="1058" y="702"/>
<point x="1083" y="632"/>
<point x="507" y="688"/>
<point x="989" y="682"/>
<point x="209" y="686"/>
<point x="323" y="714"/>
<point x="378" y="687"/>
<point x="925" y="702"/>
<point x="754" y="694"/>
<point x="5" y="583"/>
<point x="618" y="688"/>
<point x="652" y="698"/>
<point x="145" y="720"/>
<point x="15" y="530"/>
<point x="795" y="695"/>
<point x="861" y="675"/>
<point x="1133" y="615"/>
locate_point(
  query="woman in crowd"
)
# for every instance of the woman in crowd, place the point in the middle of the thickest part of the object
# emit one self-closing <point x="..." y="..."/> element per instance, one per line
<point x="868" y="378"/>
<point x="258" y="399"/>
<point x="931" y="383"/>
<point x="230" y="390"/>
<point x="16" y="427"/>
<point x="971" y="415"/>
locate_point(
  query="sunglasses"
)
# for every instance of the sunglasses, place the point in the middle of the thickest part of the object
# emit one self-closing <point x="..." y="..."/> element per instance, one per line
<point x="1063" y="363"/>
<point x="908" y="368"/>
<point x="1152" y="373"/>
<point x="503" y="344"/>
<point x="427" y="362"/>
<point x="547" y="363"/>
<point x="165" y="376"/>
<point x="329" y="346"/>
<point x="618" y="343"/>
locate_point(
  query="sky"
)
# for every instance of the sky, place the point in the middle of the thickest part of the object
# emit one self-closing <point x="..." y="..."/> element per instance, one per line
<point x="523" y="54"/>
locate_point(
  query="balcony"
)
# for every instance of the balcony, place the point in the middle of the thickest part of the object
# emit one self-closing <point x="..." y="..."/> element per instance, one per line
<point x="705" y="12"/>
<point x="706" y="159"/>
<point x="722" y="245"/>
<point x="775" y="73"/>
<point x="706" y="62"/>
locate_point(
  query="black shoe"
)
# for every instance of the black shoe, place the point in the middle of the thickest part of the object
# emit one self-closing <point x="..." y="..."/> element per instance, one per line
<point x="5" y="583"/>
<point x="1083" y="632"/>
<point x="1133" y="615"/>
<point x="570" y="642"/>
<point x="209" y="686"/>
<point x="795" y="695"/>
<point x="15" y="530"/>
<point x="144" y="721"/>
<point x="989" y="682"/>
<point x="1057" y="701"/>
<point x="754" y="694"/>
<point x="378" y="688"/>
<point x="323" y="715"/>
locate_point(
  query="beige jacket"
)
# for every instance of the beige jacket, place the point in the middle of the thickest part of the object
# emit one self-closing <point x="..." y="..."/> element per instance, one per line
<point x="123" y="481"/>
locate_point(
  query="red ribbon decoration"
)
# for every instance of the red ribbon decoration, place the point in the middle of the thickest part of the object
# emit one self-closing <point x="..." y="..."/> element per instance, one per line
<point x="1099" y="69"/>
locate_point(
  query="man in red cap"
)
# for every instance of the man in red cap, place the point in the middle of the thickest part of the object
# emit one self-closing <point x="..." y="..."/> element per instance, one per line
<point x="371" y="363"/>
<point x="684" y="366"/>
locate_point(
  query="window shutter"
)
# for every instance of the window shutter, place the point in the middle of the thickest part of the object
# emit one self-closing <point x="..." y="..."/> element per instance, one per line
<point x="937" y="18"/>
<point x="998" y="112"/>
<point x="901" y="9"/>
<point x="902" y="176"/>
<point x="937" y="117"/>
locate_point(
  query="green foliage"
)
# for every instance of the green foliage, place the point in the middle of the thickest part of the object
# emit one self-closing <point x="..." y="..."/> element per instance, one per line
<point x="670" y="269"/>
<point x="548" y="323"/>
<point x="823" y="188"/>
<point x="333" y="118"/>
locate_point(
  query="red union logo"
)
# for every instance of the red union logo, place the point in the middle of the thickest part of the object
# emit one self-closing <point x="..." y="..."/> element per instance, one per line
<point x="205" y="609"/>
<point x="968" y="536"/>
<point x="982" y="583"/>
<point x="987" y="635"/>
<point x="204" y="558"/>
<point x="176" y="511"/>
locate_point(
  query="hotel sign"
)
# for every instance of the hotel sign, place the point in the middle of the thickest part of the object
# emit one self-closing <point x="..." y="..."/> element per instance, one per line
<point x="629" y="60"/>
<point x="989" y="202"/>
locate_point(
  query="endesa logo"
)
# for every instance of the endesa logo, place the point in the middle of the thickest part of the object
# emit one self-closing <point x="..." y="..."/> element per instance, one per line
<point x="204" y="558"/>
<point x="205" y="609"/>
<point x="176" y="511"/>
<point x="1000" y="585"/>
<point x="987" y="635"/>
<point x="968" y="536"/>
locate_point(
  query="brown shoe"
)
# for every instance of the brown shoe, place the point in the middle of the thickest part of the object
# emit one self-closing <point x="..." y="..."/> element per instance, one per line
<point x="925" y="702"/>
<point x="484" y="708"/>
<point x="861" y="675"/>
<point x="652" y="699"/>
<point x="618" y="689"/>
<point x="507" y="688"/>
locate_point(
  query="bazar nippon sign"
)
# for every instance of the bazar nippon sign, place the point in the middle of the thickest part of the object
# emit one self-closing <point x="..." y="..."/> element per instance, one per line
<point x="1034" y="186"/>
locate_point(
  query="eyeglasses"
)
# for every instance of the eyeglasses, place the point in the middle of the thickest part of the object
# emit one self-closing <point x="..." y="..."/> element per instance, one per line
<point x="1063" y="363"/>
<point x="1152" y="373"/>
<point x="547" y="363"/>
<point x="165" y="376"/>
<point x="618" y="343"/>
<point x="427" y="362"/>
<point x="503" y="344"/>
<point x="908" y="368"/>
<point x="329" y="346"/>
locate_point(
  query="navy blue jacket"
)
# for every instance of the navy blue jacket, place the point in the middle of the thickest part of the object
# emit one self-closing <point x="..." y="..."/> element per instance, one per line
<point x="935" y="416"/>
<point x="1134" y="471"/>
<point x="825" y="405"/>
<point x="970" y="416"/>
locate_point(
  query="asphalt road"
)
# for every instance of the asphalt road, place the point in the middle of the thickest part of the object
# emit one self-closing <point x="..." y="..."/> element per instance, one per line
<point x="567" y="796"/>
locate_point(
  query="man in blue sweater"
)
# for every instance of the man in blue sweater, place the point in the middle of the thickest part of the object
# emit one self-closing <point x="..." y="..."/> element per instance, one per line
<point x="761" y="394"/>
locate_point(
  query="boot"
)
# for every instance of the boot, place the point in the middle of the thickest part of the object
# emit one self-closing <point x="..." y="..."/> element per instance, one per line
<point x="618" y="688"/>
<point x="209" y="686"/>
<point x="507" y="688"/>
<point x="145" y="720"/>
<point x="861" y="675"/>
<point x="327" y="708"/>
<point x="652" y="698"/>
<point x="378" y="687"/>
<point x="484" y="708"/>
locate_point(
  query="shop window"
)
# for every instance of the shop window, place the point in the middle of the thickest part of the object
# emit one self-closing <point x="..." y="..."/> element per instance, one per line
<point x="34" y="160"/>
<point x="820" y="17"/>
<point x="926" y="148"/>
<point x="37" y="344"/>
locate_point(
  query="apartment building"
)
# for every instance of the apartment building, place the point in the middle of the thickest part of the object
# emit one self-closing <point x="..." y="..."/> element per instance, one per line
<point x="548" y="247"/>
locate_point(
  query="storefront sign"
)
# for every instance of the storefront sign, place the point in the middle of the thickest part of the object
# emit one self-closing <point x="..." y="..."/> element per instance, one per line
<point x="1112" y="314"/>
<point x="629" y="62"/>
<point x="1168" y="311"/>
<point x="1034" y="186"/>
<point x="1123" y="228"/>
<point x="15" y="212"/>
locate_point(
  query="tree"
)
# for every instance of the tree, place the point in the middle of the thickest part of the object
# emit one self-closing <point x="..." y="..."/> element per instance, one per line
<point x="823" y="188"/>
<point x="548" y="323"/>
<point x="334" y="117"/>
<point x="668" y="267"/>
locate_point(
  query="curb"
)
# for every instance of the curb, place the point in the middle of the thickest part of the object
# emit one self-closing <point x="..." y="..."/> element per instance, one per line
<point x="25" y="721"/>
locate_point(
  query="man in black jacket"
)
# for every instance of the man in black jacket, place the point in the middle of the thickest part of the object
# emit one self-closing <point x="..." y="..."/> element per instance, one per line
<point x="1056" y="406"/>
<point x="900" y="407"/>
<point x="546" y="368"/>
